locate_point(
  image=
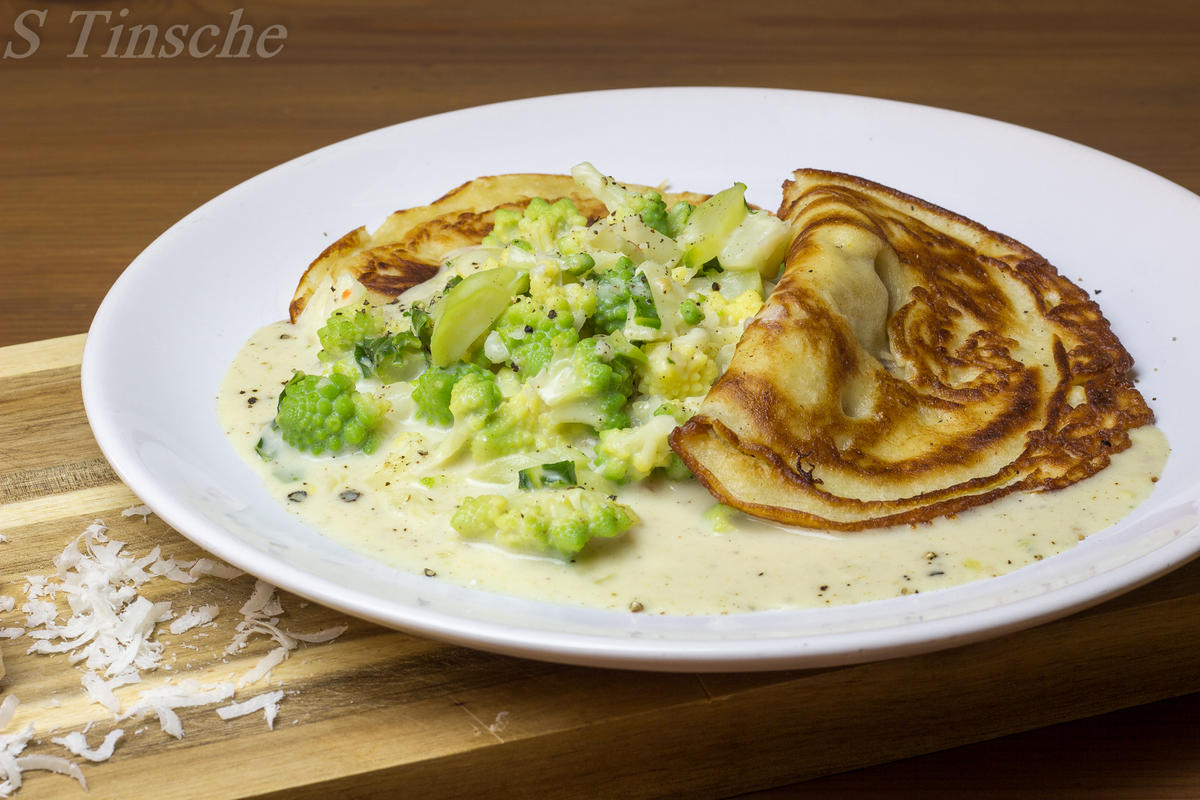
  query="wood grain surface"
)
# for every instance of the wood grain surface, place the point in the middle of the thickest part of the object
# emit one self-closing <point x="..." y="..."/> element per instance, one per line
<point x="375" y="711"/>
<point x="98" y="155"/>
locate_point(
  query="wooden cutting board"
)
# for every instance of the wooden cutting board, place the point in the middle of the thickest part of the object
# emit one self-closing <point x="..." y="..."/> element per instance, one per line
<point x="375" y="710"/>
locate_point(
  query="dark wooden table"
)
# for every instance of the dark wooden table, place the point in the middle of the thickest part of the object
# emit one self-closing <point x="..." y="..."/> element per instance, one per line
<point x="106" y="141"/>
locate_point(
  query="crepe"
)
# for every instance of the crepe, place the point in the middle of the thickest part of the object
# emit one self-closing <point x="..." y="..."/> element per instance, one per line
<point x="910" y="364"/>
<point x="410" y="246"/>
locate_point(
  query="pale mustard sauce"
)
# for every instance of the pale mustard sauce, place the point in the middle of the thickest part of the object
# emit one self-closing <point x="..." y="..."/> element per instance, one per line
<point x="673" y="562"/>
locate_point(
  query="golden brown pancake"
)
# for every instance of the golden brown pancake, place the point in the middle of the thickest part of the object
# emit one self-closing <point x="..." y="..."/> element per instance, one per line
<point x="910" y="364"/>
<point x="409" y="247"/>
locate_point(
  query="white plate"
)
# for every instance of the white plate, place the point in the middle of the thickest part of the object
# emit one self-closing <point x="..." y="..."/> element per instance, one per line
<point x="173" y="321"/>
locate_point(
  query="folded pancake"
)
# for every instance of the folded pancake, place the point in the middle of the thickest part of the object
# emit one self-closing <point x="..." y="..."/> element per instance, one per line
<point x="410" y="246"/>
<point x="910" y="364"/>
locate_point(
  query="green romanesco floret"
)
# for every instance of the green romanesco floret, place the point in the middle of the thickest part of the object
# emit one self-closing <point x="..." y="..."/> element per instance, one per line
<point x="586" y="385"/>
<point x="515" y="427"/>
<point x="618" y="289"/>
<point x="473" y="398"/>
<point x="433" y="391"/>
<point x="651" y="209"/>
<point x="630" y="454"/>
<point x="620" y="200"/>
<point x="475" y="394"/>
<point x="548" y="289"/>
<point x="612" y="297"/>
<point x="540" y="226"/>
<point x="532" y="333"/>
<point x="589" y="385"/>
<point x="326" y="414"/>
<point x="551" y="521"/>
<point x="345" y="328"/>
<point x="677" y="218"/>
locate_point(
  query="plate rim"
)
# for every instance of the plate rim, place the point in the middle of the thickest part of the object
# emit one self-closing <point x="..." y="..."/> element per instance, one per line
<point x="629" y="653"/>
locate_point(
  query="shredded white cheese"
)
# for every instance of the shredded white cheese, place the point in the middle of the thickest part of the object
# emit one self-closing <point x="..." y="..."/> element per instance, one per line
<point x="101" y="690"/>
<point x="13" y="764"/>
<point x="263" y="667"/>
<point x="268" y="702"/>
<point x="260" y="614"/>
<point x="193" y="618"/>
<point x="8" y="708"/>
<point x="143" y="511"/>
<point x="111" y="633"/>
<point x="163" y="700"/>
<point x="76" y="742"/>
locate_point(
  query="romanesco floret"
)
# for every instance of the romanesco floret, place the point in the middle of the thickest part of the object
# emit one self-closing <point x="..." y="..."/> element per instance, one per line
<point x="547" y="288"/>
<point x="325" y="413"/>
<point x="679" y="368"/>
<point x="620" y="201"/>
<point x="677" y="218"/>
<point x="475" y="394"/>
<point x="515" y="427"/>
<point x="433" y="390"/>
<point x="540" y="226"/>
<point x="533" y="333"/>
<point x="553" y="521"/>
<point x="612" y="297"/>
<point x="630" y="454"/>
<point x="473" y="397"/>
<point x="589" y="384"/>
<point x="651" y="209"/>
<point x="618" y="288"/>
<point x="345" y="328"/>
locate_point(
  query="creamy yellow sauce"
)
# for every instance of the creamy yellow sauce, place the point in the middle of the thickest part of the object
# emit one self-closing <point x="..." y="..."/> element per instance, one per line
<point x="673" y="562"/>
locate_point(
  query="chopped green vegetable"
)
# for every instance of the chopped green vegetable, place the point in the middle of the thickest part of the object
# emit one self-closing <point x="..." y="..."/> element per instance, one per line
<point x="390" y="358"/>
<point x="433" y="390"/>
<point x="345" y="328"/>
<point x="630" y="454"/>
<point x="538" y="228"/>
<point x="560" y="473"/>
<point x="691" y="312"/>
<point x="677" y="218"/>
<point x="325" y="414"/>
<point x="619" y="288"/>
<point x="469" y="309"/>
<point x="420" y="323"/>
<point x="720" y="517"/>
<point x="710" y="225"/>
<point x="533" y="333"/>
<point x="553" y="521"/>
<point x="578" y="264"/>
<point x="572" y="348"/>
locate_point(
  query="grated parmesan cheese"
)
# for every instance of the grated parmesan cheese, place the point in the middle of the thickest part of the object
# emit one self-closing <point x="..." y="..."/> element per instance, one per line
<point x="111" y="635"/>
<point x="163" y="700"/>
<point x="13" y="764"/>
<point x="267" y="702"/>
<point x="191" y="619"/>
<point x="143" y="511"/>
<point x="76" y="742"/>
